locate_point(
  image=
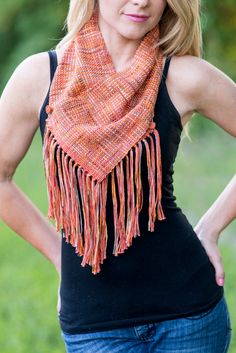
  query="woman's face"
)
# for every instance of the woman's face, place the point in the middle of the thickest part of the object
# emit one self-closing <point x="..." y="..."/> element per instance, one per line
<point x="113" y="14"/>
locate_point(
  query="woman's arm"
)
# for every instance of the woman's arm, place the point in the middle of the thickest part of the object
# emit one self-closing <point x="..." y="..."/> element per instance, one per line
<point x="19" y="110"/>
<point x="215" y="97"/>
<point x="213" y="222"/>
<point x="197" y="86"/>
<point x="220" y="214"/>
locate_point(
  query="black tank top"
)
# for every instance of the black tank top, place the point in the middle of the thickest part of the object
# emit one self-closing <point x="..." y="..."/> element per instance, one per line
<point x="165" y="274"/>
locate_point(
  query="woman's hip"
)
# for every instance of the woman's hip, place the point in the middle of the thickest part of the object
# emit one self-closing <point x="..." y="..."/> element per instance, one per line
<point x="208" y="332"/>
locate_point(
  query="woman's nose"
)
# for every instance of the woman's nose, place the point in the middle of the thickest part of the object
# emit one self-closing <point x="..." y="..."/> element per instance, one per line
<point x="141" y="3"/>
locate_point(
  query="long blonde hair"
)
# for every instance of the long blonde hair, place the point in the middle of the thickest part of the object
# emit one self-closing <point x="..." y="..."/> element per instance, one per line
<point x="180" y="28"/>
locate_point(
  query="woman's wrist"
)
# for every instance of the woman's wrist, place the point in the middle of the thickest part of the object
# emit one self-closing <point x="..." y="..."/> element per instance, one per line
<point x="207" y="229"/>
<point x="56" y="256"/>
<point x="57" y="265"/>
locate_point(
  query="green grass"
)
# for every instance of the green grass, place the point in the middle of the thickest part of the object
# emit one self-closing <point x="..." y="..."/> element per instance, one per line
<point x="28" y="294"/>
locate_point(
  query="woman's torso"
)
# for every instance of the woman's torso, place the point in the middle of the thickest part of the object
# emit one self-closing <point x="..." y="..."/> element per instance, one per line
<point x="163" y="275"/>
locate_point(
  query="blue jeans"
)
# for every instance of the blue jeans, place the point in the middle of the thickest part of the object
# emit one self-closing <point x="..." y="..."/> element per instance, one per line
<point x="208" y="332"/>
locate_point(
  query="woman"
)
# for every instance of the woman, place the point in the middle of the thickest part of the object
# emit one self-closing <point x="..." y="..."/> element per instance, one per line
<point x="128" y="79"/>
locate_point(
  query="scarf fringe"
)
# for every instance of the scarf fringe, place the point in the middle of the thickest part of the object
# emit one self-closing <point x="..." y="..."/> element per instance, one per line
<point x="77" y="203"/>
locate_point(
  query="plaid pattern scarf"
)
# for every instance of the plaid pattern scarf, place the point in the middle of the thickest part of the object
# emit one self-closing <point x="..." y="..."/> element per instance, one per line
<point x="99" y="120"/>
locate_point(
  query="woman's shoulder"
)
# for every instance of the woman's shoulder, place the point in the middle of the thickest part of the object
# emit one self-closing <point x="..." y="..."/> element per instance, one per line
<point x="27" y="86"/>
<point x="195" y="85"/>
<point x="188" y="80"/>
<point x="32" y="76"/>
<point x="189" y="70"/>
<point x="33" y="69"/>
<point x="191" y="75"/>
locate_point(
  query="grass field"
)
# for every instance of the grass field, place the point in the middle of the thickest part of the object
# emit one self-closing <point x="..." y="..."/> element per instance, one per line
<point x="28" y="282"/>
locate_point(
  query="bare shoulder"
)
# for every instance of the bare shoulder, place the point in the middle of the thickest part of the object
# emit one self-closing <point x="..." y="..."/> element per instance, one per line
<point x="19" y="104"/>
<point x="181" y="84"/>
<point x="194" y="84"/>
<point x="39" y="65"/>
<point x="189" y="73"/>
<point x="28" y="84"/>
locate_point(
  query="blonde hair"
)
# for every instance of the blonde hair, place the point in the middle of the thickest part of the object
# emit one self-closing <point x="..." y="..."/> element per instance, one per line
<point x="180" y="28"/>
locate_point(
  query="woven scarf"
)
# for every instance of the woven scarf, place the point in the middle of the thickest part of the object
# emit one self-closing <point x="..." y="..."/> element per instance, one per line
<point x="98" y="120"/>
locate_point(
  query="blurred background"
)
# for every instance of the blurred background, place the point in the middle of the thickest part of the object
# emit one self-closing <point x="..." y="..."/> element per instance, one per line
<point x="205" y="164"/>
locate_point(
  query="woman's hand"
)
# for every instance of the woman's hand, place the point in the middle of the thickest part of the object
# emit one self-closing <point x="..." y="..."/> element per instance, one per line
<point x="213" y="222"/>
<point x="210" y="244"/>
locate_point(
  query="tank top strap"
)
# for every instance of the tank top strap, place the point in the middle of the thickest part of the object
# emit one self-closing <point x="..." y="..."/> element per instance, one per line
<point x="53" y="63"/>
<point x="166" y="68"/>
<point x="53" y="66"/>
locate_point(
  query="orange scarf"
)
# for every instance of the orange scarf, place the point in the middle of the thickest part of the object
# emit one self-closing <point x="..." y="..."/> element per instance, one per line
<point x="97" y="121"/>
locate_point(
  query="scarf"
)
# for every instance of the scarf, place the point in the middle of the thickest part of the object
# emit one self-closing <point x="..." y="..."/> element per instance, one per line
<point x="98" y="121"/>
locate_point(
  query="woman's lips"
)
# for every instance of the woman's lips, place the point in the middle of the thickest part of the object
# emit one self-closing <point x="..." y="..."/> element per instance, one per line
<point x="137" y="18"/>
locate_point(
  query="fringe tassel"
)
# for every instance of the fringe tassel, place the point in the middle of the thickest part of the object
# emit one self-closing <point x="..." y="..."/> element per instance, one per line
<point x="77" y="203"/>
